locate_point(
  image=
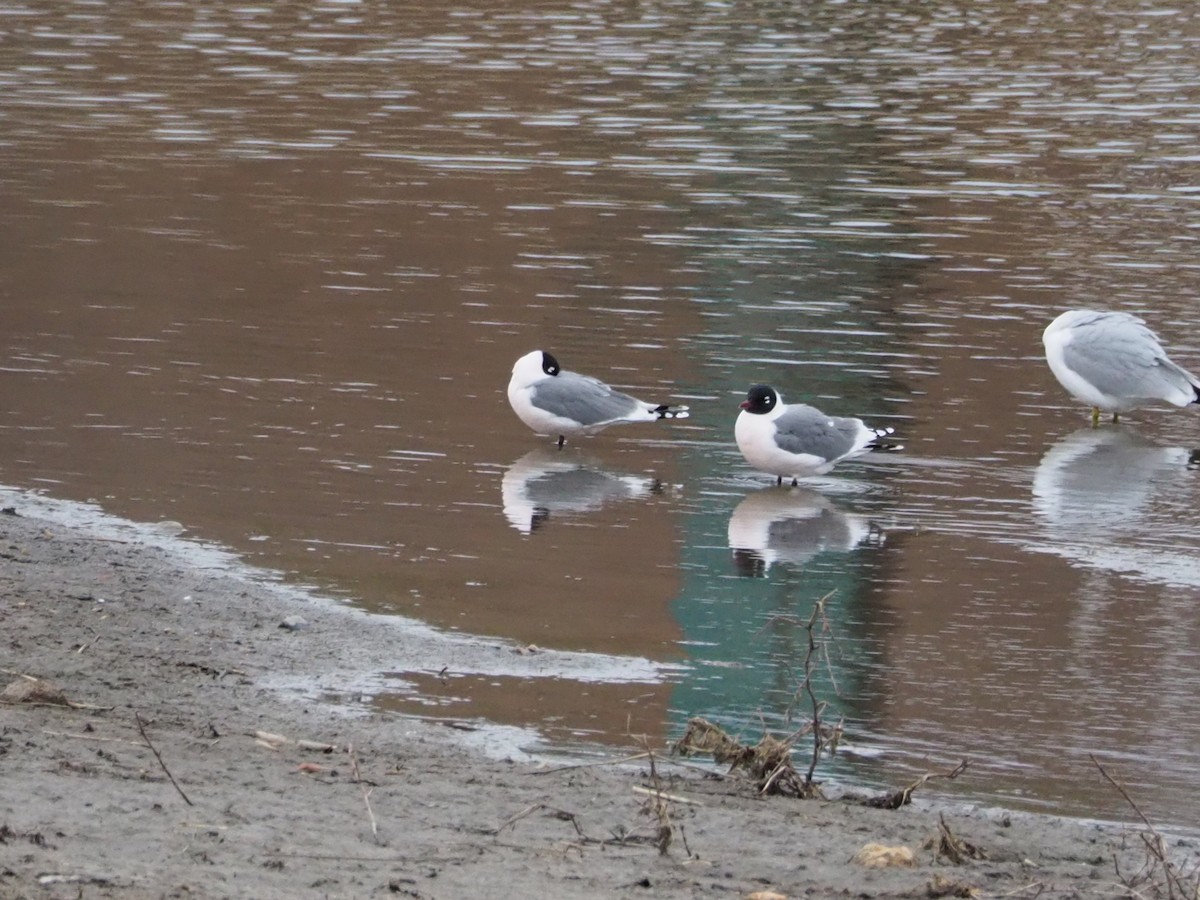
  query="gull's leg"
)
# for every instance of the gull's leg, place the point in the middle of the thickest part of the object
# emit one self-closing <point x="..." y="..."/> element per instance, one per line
<point x="779" y="481"/>
<point x="562" y="439"/>
<point x="1116" y="418"/>
<point x="1095" y="417"/>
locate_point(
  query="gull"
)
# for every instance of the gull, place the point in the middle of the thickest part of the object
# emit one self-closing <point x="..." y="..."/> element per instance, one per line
<point x="1113" y="362"/>
<point x="797" y="441"/>
<point x="553" y="401"/>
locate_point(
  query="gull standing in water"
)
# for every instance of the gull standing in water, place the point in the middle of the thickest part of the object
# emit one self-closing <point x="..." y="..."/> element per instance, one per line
<point x="796" y="441"/>
<point x="1113" y="362"/>
<point x="553" y="401"/>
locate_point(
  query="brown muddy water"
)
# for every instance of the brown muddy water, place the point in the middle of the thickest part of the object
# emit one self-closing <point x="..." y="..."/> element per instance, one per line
<point x="264" y="270"/>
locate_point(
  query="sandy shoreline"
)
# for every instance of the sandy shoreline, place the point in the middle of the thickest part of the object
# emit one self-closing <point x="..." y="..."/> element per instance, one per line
<point x="194" y="652"/>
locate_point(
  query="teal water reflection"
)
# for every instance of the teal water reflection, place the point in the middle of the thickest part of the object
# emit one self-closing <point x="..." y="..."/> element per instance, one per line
<point x="754" y="569"/>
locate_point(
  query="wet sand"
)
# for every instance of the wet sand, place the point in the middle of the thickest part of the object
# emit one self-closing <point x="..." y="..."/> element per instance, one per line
<point x="176" y="666"/>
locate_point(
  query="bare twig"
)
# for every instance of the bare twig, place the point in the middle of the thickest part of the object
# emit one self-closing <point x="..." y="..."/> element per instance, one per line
<point x="656" y="806"/>
<point x="902" y="797"/>
<point x="87" y="644"/>
<point x="365" y="792"/>
<point x="683" y="839"/>
<point x="1037" y="886"/>
<point x="16" y="674"/>
<point x="91" y="737"/>
<point x="590" y="765"/>
<point x="947" y="844"/>
<point x="818" y="707"/>
<point x="1156" y="849"/>
<point x="158" y="756"/>
<point x="815" y="651"/>
<point x="530" y="810"/>
<point x="663" y="795"/>
<point x="338" y="856"/>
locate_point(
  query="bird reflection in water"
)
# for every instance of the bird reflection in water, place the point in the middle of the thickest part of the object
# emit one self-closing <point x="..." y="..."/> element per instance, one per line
<point x="1103" y="479"/>
<point x="792" y="526"/>
<point x="1113" y="500"/>
<point x="545" y="483"/>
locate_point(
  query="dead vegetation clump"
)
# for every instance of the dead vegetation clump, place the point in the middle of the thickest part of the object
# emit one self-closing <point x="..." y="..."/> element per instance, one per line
<point x="27" y="689"/>
<point x="32" y="691"/>
<point x="941" y="886"/>
<point x="768" y="763"/>
<point x="950" y="847"/>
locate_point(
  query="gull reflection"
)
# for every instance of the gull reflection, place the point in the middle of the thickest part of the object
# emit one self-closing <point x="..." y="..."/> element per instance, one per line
<point x="792" y="525"/>
<point x="1097" y="480"/>
<point x="1097" y="492"/>
<point x="545" y="482"/>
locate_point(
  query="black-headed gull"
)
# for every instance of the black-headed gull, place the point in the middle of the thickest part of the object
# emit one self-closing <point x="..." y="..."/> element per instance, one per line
<point x="556" y="402"/>
<point x="1113" y="362"/>
<point x="796" y="441"/>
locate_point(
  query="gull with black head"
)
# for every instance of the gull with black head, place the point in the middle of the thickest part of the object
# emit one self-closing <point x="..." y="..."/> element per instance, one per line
<point x="553" y="401"/>
<point x="799" y="440"/>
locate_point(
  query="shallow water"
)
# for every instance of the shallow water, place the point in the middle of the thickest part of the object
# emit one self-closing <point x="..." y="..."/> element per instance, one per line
<point x="264" y="271"/>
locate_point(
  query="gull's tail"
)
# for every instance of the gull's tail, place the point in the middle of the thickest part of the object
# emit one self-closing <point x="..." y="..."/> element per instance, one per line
<point x="666" y="411"/>
<point x="881" y="444"/>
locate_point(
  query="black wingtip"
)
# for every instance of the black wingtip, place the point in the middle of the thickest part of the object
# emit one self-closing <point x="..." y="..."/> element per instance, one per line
<point x="881" y="445"/>
<point x="666" y="411"/>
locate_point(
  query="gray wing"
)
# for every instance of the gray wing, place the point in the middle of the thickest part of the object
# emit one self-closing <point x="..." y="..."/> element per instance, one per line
<point x="583" y="399"/>
<point x="804" y="429"/>
<point x="1118" y="354"/>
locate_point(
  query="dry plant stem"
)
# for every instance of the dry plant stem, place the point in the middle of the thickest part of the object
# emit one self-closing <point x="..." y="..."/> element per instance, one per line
<point x="659" y="809"/>
<point x="902" y="797"/>
<point x="87" y="644"/>
<point x="1036" y="886"/>
<point x="683" y="837"/>
<point x="1155" y="845"/>
<point x="591" y="765"/>
<point x="817" y="706"/>
<point x="92" y="737"/>
<point x="657" y="794"/>
<point x="380" y="859"/>
<point x="779" y="772"/>
<point x="955" y="849"/>
<point x="1121" y="790"/>
<point x="366" y="794"/>
<point x="530" y="810"/>
<point x="158" y="756"/>
<point x="806" y="684"/>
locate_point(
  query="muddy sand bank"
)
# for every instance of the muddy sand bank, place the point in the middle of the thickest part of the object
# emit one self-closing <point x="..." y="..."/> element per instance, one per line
<point x="161" y="780"/>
